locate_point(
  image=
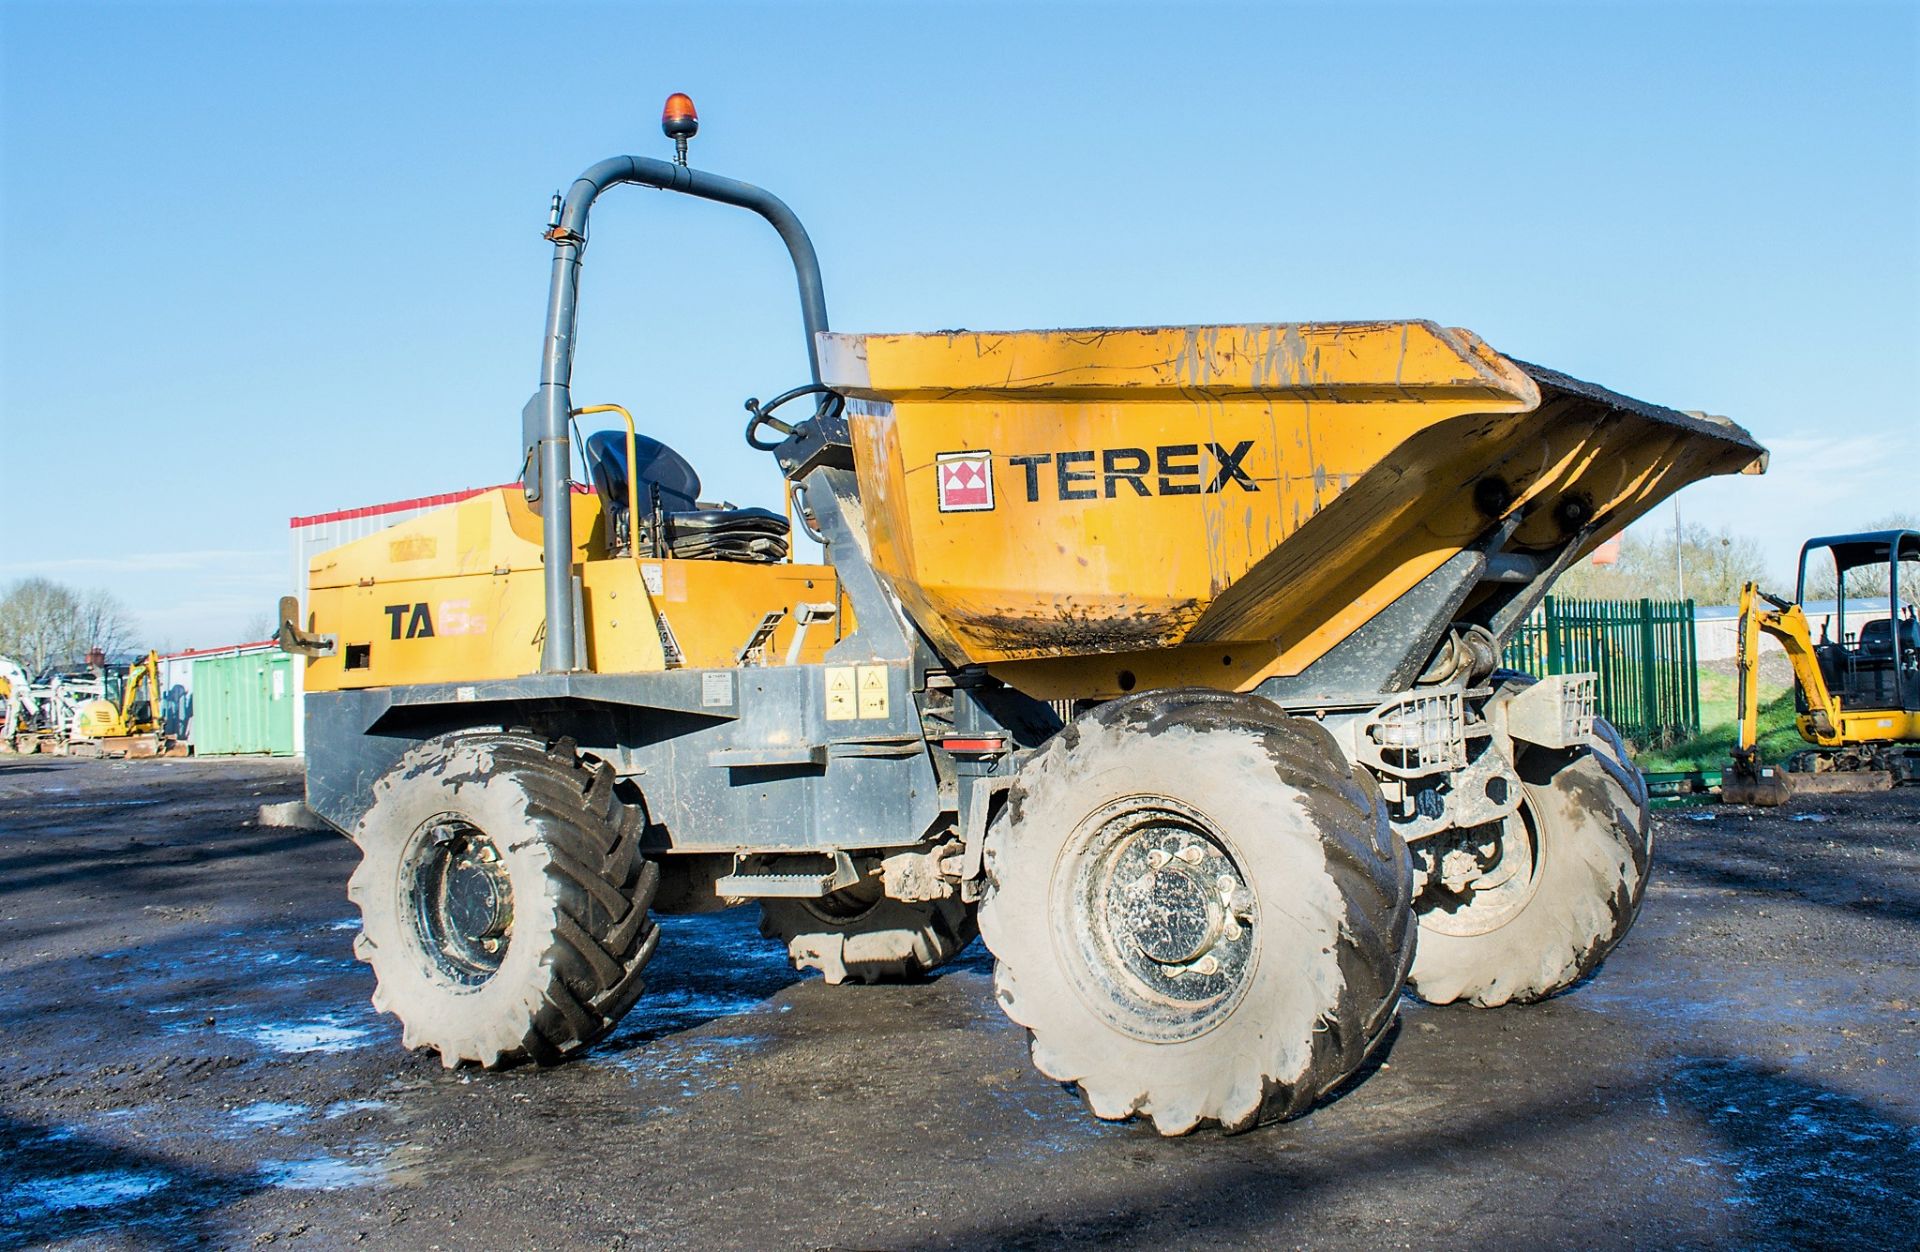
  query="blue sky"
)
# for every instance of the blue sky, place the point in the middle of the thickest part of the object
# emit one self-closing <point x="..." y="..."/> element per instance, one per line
<point x="268" y="259"/>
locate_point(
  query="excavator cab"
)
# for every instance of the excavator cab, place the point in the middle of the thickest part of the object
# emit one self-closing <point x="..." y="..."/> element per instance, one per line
<point x="1869" y="650"/>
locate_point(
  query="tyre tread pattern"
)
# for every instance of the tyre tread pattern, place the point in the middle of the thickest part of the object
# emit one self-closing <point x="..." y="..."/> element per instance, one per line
<point x="1366" y="860"/>
<point x="1599" y="801"/>
<point x="603" y="935"/>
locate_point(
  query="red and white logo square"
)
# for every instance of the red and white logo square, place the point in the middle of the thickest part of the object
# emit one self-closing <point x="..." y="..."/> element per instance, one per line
<point x="965" y="481"/>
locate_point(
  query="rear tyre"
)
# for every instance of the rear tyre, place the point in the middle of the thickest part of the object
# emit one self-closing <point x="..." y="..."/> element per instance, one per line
<point x="1557" y="885"/>
<point x="1197" y="911"/>
<point x="859" y="935"/>
<point x="503" y="899"/>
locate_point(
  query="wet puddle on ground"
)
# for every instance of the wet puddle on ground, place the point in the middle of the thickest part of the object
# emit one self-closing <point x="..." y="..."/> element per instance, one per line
<point x="329" y="1033"/>
<point x="324" y="1173"/>
<point x="240" y="984"/>
<point x="1788" y="1145"/>
<point x="39" y="1198"/>
<point x="270" y="1113"/>
<point x="344" y="1108"/>
<point x="85" y="1177"/>
<point x="708" y="966"/>
<point x="1689" y="1003"/>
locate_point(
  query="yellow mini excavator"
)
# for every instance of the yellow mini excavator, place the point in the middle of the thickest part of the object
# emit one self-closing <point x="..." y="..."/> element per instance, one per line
<point x="1857" y="696"/>
<point x="134" y="716"/>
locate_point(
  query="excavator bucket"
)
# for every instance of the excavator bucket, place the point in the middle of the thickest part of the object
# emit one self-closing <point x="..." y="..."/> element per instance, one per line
<point x="1763" y="786"/>
<point x="1083" y="511"/>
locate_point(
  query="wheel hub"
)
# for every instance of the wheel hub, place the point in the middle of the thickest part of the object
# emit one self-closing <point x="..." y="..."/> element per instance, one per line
<point x="1162" y="917"/>
<point x="1173" y="917"/>
<point x="463" y="900"/>
<point x="1481" y="877"/>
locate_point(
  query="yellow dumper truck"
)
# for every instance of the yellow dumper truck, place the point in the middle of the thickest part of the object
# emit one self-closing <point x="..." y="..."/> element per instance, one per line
<point x="1166" y="658"/>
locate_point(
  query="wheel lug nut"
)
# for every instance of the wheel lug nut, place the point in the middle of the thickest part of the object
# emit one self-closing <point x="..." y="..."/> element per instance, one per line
<point x="1157" y="858"/>
<point x="1191" y="854"/>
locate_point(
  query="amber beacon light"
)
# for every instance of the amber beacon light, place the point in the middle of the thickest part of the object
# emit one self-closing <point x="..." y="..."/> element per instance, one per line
<point x="679" y="123"/>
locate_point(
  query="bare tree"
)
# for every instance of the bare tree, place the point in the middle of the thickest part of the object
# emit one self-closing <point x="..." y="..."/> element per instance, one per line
<point x="36" y="623"/>
<point x="44" y="625"/>
<point x="1717" y="564"/>
<point x="103" y="623"/>
<point x="1868" y="582"/>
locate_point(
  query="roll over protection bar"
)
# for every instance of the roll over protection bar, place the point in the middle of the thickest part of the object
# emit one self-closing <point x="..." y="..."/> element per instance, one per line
<point x="544" y="421"/>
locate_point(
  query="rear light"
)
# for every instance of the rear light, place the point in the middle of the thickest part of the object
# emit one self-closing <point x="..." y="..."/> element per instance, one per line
<point x="974" y="745"/>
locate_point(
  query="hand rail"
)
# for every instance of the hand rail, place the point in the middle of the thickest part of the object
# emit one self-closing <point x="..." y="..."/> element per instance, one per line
<point x="633" y="480"/>
<point x="544" y="421"/>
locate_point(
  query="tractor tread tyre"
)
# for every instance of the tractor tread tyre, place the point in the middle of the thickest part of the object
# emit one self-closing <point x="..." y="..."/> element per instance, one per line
<point x="1307" y="834"/>
<point x="1594" y="842"/>
<point x="580" y="935"/>
<point x="892" y="941"/>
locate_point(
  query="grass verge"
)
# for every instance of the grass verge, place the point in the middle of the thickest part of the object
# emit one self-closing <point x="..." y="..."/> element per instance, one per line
<point x="1711" y="748"/>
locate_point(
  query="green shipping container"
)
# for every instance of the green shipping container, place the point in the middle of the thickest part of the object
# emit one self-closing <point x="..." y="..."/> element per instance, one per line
<point x="243" y="705"/>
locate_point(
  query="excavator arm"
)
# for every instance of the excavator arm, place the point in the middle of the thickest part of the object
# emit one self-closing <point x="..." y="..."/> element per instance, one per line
<point x="147" y="671"/>
<point x="1749" y="781"/>
<point x="1785" y="622"/>
<point x="1746" y="667"/>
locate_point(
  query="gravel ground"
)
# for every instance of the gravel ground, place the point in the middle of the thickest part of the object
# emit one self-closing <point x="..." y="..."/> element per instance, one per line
<point x="188" y="1058"/>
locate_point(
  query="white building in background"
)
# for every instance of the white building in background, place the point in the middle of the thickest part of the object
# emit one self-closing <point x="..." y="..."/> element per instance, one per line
<point x="1716" y="627"/>
<point x="315" y="534"/>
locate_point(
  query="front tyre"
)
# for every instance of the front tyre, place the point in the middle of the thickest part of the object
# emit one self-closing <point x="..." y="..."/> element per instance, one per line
<point x="503" y="899"/>
<point x="1517" y="911"/>
<point x="1197" y="910"/>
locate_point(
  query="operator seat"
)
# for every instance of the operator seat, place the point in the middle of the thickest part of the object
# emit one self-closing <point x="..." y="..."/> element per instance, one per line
<point x="1878" y="637"/>
<point x="674" y="521"/>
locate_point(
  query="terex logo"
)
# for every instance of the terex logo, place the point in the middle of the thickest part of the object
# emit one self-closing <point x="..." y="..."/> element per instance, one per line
<point x="1172" y="469"/>
<point x="965" y="481"/>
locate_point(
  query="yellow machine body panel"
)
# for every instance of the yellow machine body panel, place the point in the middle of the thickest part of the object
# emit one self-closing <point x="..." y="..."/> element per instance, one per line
<point x="97" y="719"/>
<point x="1851" y="726"/>
<point x="1091" y="511"/>
<point x="455" y="595"/>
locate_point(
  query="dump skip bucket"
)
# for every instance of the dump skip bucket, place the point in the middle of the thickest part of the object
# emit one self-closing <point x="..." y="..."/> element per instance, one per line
<point x="1260" y="492"/>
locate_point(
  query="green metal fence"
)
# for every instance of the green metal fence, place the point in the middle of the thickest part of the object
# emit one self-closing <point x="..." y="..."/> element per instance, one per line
<point x="1643" y="651"/>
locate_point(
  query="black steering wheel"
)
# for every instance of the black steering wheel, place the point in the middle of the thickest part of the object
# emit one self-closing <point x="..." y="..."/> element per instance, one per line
<point x="762" y="414"/>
